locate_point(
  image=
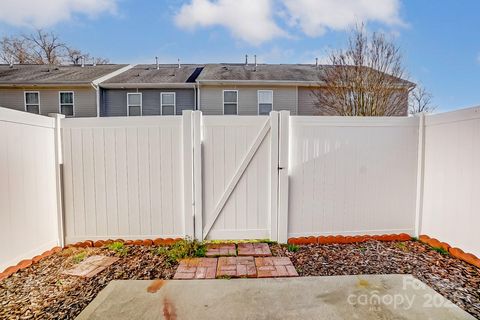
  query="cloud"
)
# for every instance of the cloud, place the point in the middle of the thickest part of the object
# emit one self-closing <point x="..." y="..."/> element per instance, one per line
<point x="315" y="17"/>
<point x="46" y="13"/>
<point x="249" y="20"/>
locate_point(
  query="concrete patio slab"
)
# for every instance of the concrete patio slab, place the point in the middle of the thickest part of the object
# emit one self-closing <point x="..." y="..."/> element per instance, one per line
<point x="339" y="297"/>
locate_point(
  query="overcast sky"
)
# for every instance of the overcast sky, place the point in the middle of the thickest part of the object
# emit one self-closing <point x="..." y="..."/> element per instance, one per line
<point x="440" y="39"/>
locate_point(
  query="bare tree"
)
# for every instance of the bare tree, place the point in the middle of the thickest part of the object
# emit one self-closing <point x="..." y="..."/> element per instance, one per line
<point x="42" y="48"/>
<point x="420" y="101"/>
<point x="15" y="50"/>
<point x="365" y="79"/>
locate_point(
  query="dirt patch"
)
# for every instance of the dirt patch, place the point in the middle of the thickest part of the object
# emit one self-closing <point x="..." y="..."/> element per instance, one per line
<point x="43" y="292"/>
<point x="456" y="280"/>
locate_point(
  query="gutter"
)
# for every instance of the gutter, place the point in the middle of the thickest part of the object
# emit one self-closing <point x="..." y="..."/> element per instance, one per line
<point x="318" y="83"/>
<point x="96" y="83"/>
<point x="146" y="85"/>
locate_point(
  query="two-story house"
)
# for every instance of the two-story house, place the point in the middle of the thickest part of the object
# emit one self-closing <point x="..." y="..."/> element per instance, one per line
<point x="147" y="90"/>
<point x="251" y="89"/>
<point x="71" y="90"/>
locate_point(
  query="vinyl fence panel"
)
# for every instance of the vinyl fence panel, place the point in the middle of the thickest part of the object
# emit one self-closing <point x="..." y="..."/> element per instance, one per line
<point x="28" y="205"/>
<point x="451" y="205"/>
<point x="352" y="175"/>
<point x="123" y="178"/>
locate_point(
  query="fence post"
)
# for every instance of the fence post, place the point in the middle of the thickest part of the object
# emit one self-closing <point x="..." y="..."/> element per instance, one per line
<point x="274" y="124"/>
<point x="283" y="154"/>
<point x="188" y="201"/>
<point x="197" y="174"/>
<point x="59" y="176"/>
<point x="420" y="174"/>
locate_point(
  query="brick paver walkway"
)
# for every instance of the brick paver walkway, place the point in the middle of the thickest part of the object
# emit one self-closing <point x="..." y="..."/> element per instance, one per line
<point x="221" y="249"/>
<point x="196" y="268"/>
<point x="254" y="249"/>
<point x="91" y="266"/>
<point x="236" y="267"/>
<point x="254" y="260"/>
<point x="269" y="267"/>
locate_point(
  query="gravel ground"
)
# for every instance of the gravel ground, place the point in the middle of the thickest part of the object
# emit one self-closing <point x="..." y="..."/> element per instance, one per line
<point x="454" y="279"/>
<point x="42" y="292"/>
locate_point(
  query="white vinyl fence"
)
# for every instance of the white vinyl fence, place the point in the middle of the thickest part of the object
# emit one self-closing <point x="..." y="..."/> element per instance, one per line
<point x="352" y="175"/>
<point x="451" y="210"/>
<point x="123" y="178"/>
<point x="28" y="191"/>
<point x="234" y="177"/>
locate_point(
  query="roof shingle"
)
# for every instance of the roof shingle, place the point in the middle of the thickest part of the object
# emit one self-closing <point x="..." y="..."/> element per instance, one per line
<point x="45" y="74"/>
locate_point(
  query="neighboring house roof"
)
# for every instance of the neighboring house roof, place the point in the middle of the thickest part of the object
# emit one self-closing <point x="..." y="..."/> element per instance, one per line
<point x="149" y="76"/>
<point x="281" y="73"/>
<point x="24" y="74"/>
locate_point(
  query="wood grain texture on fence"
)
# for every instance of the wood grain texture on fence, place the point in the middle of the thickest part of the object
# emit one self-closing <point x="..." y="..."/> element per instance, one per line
<point x="352" y="175"/>
<point x="451" y="204"/>
<point x="123" y="177"/>
<point x="28" y="206"/>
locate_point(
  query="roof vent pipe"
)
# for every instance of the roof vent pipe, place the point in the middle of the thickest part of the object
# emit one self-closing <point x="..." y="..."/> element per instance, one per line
<point x="94" y="62"/>
<point x="11" y="62"/>
<point x="179" y="65"/>
<point x="316" y="62"/>
<point x="255" y="57"/>
<point x="246" y="59"/>
<point x="83" y="61"/>
<point x="156" y="62"/>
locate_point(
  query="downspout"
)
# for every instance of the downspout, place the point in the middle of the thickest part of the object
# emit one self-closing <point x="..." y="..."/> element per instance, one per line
<point x="97" y="93"/>
<point x="198" y="95"/>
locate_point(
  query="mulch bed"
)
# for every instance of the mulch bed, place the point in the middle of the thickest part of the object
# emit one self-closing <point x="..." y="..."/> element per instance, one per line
<point x="42" y="292"/>
<point x="456" y="280"/>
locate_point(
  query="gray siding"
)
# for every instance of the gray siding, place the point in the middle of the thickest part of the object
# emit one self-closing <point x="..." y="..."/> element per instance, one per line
<point x="211" y="99"/>
<point x="114" y="101"/>
<point x="84" y="100"/>
<point x="306" y="102"/>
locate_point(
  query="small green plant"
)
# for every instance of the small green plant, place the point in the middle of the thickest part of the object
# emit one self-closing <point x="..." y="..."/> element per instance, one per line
<point x="292" y="248"/>
<point x="362" y="249"/>
<point x="402" y="246"/>
<point x="119" y="248"/>
<point x="79" y="257"/>
<point x="182" y="249"/>
<point x="414" y="239"/>
<point x="440" y="250"/>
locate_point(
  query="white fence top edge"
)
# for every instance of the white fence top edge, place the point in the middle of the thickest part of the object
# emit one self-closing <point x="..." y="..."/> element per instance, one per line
<point x="335" y="121"/>
<point x="15" y="116"/>
<point x="233" y="120"/>
<point x="122" y="122"/>
<point x="453" y="116"/>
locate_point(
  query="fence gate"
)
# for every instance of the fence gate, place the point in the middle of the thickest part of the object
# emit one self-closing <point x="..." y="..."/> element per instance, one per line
<point x="240" y="161"/>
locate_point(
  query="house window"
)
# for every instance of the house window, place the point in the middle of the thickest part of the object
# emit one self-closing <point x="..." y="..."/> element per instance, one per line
<point x="230" y="102"/>
<point x="265" y="102"/>
<point x="67" y="103"/>
<point x="167" y="103"/>
<point x="134" y="104"/>
<point x="32" y="101"/>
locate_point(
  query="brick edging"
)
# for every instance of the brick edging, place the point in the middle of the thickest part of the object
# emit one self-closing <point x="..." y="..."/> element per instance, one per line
<point x="454" y="252"/>
<point x="349" y="239"/>
<point x="27" y="263"/>
<point x="85" y="244"/>
<point x="145" y="242"/>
